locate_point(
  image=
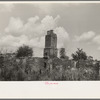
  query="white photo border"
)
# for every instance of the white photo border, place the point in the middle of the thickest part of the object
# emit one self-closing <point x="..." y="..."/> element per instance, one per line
<point x="41" y="90"/>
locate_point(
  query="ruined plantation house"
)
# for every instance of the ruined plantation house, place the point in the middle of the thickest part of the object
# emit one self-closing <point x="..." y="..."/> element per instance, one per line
<point x="81" y="70"/>
<point x="50" y="49"/>
<point x="49" y="67"/>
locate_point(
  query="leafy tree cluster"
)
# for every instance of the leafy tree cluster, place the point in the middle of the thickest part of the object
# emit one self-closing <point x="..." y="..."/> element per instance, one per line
<point x="24" y="51"/>
<point x="79" y="55"/>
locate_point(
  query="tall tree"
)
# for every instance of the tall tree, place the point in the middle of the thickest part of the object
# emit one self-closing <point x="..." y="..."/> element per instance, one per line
<point x="24" y="51"/>
<point x="79" y="55"/>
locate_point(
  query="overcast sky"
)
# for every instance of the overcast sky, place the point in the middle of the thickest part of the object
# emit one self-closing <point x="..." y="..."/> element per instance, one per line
<point x="77" y="25"/>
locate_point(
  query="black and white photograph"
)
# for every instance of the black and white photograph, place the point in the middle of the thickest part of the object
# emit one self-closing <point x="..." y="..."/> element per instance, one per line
<point x="49" y="41"/>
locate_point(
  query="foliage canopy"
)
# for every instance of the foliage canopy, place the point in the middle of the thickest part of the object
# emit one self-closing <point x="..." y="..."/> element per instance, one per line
<point x="24" y="51"/>
<point x="79" y="55"/>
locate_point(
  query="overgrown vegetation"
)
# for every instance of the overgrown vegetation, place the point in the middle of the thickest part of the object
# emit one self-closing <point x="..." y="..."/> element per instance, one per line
<point x="23" y="67"/>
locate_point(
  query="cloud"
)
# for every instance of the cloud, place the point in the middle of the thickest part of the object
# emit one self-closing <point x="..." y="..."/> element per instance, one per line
<point x="6" y="7"/>
<point x="14" y="27"/>
<point x="33" y="28"/>
<point x="37" y="42"/>
<point x="32" y="32"/>
<point x="10" y="40"/>
<point x="11" y="43"/>
<point x="49" y="23"/>
<point x="96" y="39"/>
<point x="62" y="35"/>
<point x="98" y="48"/>
<point x="85" y="36"/>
